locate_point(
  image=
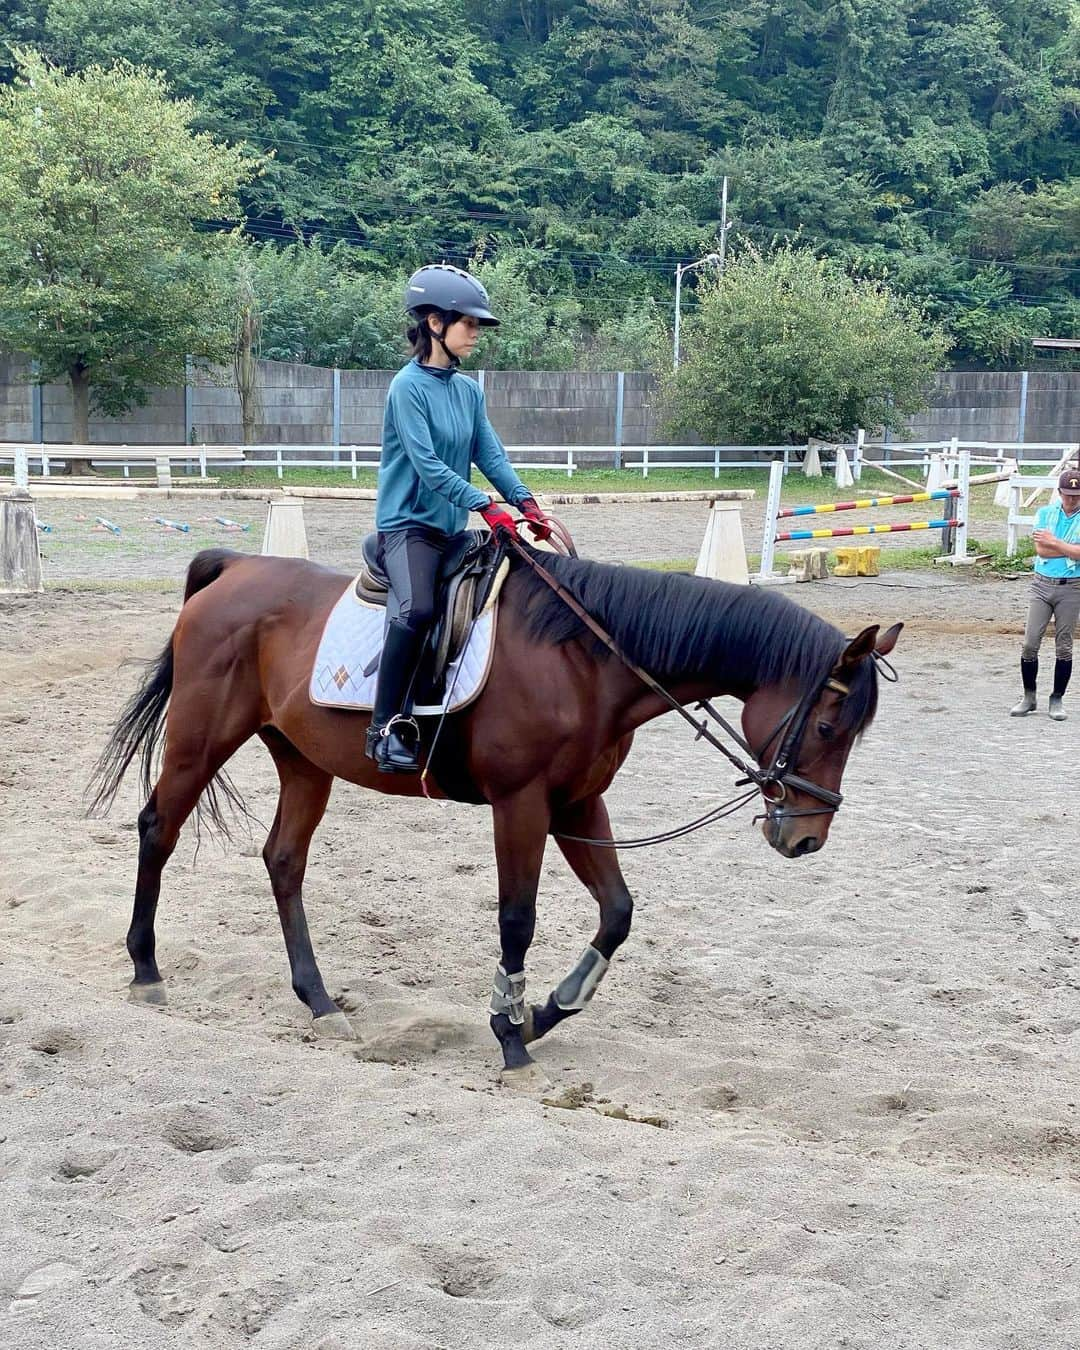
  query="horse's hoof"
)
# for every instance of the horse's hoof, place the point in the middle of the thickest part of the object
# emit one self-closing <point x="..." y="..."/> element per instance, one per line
<point x="528" y="1028"/>
<point x="528" y="1080"/>
<point x="148" y="993"/>
<point x="333" y="1026"/>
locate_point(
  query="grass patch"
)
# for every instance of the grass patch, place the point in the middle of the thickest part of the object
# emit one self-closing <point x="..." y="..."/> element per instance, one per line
<point x="999" y="564"/>
<point x="670" y="565"/>
<point x="148" y="585"/>
<point x="266" y="477"/>
<point x="904" y="559"/>
<point x="892" y="560"/>
<point x="796" y="490"/>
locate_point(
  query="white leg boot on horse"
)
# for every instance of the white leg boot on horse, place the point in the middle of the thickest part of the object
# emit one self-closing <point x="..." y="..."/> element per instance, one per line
<point x="598" y="868"/>
<point x="521" y="824"/>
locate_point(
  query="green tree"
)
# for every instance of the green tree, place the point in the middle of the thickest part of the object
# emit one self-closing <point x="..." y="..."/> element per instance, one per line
<point x="787" y="346"/>
<point x="912" y="142"/>
<point x="103" y="280"/>
<point x="539" y="327"/>
<point x="634" y="338"/>
<point x="317" y="305"/>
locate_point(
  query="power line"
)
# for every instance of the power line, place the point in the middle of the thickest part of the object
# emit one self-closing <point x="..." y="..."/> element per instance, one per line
<point x="609" y="167"/>
<point x="588" y="264"/>
<point x="927" y="253"/>
<point x="355" y="235"/>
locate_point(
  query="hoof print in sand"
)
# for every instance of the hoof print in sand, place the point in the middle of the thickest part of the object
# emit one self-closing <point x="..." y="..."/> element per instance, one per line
<point x="244" y="1312"/>
<point x="717" y="1097"/>
<point x="56" y="1041"/>
<point x="79" y="1166"/>
<point x="39" y="1283"/>
<point x="162" y="1294"/>
<point x="195" y="1129"/>
<point x="458" y="1273"/>
<point x="412" y="1038"/>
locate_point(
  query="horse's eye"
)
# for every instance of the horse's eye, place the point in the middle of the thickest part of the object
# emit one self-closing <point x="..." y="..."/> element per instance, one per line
<point x="825" y="730"/>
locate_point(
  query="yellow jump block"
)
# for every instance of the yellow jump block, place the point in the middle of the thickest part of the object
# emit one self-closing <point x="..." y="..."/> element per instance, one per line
<point x="857" y="561"/>
<point x="808" y="564"/>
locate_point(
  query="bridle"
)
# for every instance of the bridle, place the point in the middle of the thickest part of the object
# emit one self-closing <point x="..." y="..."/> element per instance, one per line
<point x="771" y="780"/>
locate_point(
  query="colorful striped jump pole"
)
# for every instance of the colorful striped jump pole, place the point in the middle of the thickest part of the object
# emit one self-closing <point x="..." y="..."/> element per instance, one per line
<point x="869" y="529"/>
<point x="953" y="524"/>
<point x="866" y="502"/>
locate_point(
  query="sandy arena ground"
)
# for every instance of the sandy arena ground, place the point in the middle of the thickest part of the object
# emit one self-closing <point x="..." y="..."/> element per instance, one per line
<point x="822" y="1103"/>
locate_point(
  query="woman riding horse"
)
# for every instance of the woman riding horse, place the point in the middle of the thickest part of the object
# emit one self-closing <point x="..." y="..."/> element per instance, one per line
<point x="540" y="745"/>
<point x="435" y="427"/>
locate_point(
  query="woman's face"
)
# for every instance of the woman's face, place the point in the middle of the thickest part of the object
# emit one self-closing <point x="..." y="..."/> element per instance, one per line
<point x="461" y="336"/>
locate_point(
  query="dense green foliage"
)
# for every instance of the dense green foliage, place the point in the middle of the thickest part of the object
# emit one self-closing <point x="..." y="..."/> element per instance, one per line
<point x="580" y="145"/>
<point x="103" y="280"/>
<point x="788" y="347"/>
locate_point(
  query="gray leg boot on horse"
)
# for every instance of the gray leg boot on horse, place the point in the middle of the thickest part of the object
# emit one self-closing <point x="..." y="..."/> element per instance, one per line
<point x="393" y="739"/>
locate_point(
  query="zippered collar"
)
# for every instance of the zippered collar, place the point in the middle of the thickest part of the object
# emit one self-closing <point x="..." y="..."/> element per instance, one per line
<point x="443" y="373"/>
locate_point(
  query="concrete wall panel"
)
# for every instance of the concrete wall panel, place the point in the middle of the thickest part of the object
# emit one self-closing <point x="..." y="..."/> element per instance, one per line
<point x="526" y="407"/>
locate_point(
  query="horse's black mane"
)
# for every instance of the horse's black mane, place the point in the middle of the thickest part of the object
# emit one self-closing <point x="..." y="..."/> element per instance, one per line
<point x="680" y="627"/>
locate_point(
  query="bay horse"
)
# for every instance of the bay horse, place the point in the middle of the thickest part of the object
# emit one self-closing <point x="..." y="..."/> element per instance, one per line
<point x="540" y="745"/>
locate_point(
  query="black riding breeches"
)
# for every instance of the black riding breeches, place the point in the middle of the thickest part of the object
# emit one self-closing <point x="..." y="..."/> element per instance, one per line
<point x="412" y="559"/>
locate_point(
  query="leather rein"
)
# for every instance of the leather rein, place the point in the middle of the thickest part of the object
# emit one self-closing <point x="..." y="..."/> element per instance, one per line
<point x="775" y="778"/>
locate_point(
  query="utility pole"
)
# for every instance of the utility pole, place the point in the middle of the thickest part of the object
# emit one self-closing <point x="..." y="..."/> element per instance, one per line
<point x="716" y="259"/>
<point x="680" y="270"/>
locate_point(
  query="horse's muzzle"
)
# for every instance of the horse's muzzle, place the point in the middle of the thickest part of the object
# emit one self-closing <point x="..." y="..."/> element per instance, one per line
<point x="789" y="836"/>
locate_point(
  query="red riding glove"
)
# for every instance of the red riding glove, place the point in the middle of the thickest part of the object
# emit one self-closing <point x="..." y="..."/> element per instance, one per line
<point x="538" y="523"/>
<point x="497" y="518"/>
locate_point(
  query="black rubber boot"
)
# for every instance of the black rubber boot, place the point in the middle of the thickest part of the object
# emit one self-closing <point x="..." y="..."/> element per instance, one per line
<point x="393" y="741"/>
<point x="1029" y="673"/>
<point x="1062" y="672"/>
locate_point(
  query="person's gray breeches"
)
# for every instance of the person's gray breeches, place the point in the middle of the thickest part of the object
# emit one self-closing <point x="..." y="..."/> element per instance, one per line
<point x="412" y="558"/>
<point x="1051" y="601"/>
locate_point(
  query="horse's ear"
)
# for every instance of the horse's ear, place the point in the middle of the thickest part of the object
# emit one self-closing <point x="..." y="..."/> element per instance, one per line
<point x="887" y="641"/>
<point x="860" y="646"/>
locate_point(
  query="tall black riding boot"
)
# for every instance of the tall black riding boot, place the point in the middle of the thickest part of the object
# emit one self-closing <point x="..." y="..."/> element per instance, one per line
<point x="1029" y="673"/>
<point x="1062" y="671"/>
<point x="393" y="740"/>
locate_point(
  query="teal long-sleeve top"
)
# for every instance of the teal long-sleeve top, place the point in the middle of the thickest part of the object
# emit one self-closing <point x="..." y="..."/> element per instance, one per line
<point x="434" y="429"/>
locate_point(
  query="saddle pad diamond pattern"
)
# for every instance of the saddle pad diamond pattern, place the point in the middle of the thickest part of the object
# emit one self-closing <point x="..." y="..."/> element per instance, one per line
<point x="351" y="641"/>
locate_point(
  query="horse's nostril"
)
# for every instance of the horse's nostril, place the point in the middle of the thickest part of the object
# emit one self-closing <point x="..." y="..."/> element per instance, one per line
<point x="810" y="844"/>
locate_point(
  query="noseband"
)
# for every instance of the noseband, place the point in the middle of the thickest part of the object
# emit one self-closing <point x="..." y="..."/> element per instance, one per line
<point x="772" y="780"/>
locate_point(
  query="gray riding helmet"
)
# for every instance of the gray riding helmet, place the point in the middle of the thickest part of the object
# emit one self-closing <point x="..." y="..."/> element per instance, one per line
<point x="449" y="289"/>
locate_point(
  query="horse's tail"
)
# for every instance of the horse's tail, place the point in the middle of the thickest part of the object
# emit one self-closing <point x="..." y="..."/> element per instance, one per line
<point x="141" y="725"/>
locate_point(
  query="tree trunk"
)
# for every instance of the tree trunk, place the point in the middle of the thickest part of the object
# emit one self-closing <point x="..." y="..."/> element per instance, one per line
<point x="80" y="417"/>
<point x="245" y="342"/>
<point x="247" y="373"/>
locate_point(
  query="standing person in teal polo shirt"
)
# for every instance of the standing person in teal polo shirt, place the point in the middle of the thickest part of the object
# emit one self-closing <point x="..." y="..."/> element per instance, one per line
<point x="434" y="429"/>
<point x="1055" y="593"/>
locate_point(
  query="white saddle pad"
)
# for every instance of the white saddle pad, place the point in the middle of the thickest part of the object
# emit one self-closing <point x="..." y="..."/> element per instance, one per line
<point x="351" y="641"/>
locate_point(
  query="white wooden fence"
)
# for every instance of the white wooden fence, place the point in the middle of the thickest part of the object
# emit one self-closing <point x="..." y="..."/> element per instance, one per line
<point x="163" y="457"/>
